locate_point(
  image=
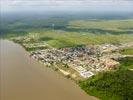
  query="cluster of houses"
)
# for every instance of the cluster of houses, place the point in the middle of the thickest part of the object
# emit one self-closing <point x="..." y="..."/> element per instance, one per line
<point x="87" y="61"/>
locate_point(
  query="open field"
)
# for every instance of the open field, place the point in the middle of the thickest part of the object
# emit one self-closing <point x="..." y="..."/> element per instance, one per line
<point x="68" y="32"/>
<point x="68" y="39"/>
<point x="127" y="51"/>
<point x="103" y="26"/>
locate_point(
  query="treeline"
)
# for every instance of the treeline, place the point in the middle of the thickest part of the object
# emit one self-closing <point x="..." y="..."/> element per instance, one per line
<point x="113" y="85"/>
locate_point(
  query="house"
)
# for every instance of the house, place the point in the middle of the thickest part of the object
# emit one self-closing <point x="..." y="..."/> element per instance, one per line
<point x="110" y="64"/>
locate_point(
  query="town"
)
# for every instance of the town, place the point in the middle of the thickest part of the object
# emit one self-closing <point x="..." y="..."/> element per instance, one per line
<point x="81" y="61"/>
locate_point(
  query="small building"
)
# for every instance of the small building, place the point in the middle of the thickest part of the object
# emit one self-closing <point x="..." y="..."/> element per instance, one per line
<point x="110" y="64"/>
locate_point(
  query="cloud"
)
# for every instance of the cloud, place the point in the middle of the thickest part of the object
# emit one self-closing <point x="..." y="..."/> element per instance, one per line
<point x="67" y="4"/>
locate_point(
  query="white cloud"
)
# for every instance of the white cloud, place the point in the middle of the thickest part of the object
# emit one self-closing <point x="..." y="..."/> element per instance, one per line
<point x="67" y="4"/>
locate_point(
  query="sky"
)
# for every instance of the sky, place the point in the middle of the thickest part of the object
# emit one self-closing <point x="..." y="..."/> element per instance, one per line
<point x="66" y="5"/>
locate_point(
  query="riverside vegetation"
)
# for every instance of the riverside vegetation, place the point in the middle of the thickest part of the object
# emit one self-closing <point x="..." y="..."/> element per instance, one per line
<point x="81" y="39"/>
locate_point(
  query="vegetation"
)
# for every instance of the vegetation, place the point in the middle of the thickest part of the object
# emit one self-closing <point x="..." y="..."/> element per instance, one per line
<point x="68" y="39"/>
<point x="66" y="66"/>
<point x="103" y="26"/>
<point x="68" y="31"/>
<point x="126" y="62"/>
<point x="113" y="85"/>
<point x="34" y="48"/>
<point x="127" y="51"/>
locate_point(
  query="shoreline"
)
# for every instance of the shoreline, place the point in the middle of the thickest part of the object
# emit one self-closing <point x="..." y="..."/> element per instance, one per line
<point x="67" y="74"/>
<point x="58" y="70"/>
<point x="36" y="74"/>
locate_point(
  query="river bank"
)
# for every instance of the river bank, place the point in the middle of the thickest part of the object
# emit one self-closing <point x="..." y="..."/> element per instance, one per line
<point x="76" y="62"/>
<point x="22" y="78"/>
<point x="64" y="69"/>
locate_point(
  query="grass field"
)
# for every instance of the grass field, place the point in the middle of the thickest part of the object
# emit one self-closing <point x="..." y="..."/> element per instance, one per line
<point x="70" y="32"/>
<point x="60" y="39"/>
<point x="127" y="51"/>
<point x="103" y="26"/>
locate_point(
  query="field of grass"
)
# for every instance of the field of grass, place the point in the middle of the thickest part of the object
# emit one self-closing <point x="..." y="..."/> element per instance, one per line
<point x="67" y="39"/>
<point x="70" y="32"/>
<point x="127" y="51"/>
<point x="103" y="26"/>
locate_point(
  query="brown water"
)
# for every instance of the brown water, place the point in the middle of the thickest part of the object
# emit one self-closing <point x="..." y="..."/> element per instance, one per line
<point x="23" y="78"/>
